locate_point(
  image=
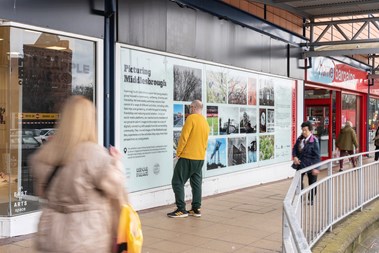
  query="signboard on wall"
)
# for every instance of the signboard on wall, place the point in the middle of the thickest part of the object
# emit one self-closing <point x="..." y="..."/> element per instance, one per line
<point x="327" y="71"/>
<point x="249" y="116"/>
<point x="146" y="125"/>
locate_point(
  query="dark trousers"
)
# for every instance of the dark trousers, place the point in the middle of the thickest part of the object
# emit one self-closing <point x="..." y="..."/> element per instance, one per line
<point x="345" y="153"/>
<point x="187" y="169"/>
<point x="311" y="180"/>
<point x="376" y="153"/>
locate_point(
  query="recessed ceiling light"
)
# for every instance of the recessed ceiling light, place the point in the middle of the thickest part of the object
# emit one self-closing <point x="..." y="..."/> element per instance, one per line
<point x="56" y="48"/>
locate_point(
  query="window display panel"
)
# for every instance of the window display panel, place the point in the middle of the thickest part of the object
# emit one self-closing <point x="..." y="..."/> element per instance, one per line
<point x="249" y="114"/>
<point x="44" y="70"/>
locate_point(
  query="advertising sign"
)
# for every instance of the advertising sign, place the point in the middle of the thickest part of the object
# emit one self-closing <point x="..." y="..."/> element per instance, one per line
<point x="327" y="71"/>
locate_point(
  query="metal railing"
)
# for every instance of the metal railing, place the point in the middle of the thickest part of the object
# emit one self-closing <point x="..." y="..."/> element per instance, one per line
<point x="338" y="195"/>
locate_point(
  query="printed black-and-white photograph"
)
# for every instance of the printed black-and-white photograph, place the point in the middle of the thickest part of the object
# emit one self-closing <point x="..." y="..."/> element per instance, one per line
<point x="262" y="120"/>
<point x="252" y="91"/>
<point x="266" y="92"/>
<point x="175" y="141"/>
<point x="187" y="83"/>
<point x="178" y="115"/>
<point x="248" y="120"/>
<point x="228" y="120"/>
<point x="2" y="115"/>
<point x="216" y="153"/>
<point x="270" y="120"/>
<point x="266" y="147"/>
<point x="236" y="151"/>
<point x="252" y="148"/>
<point x="212" y="118"/>
<point x="216" y="87"/>
<point x="187" y="111"/>
<point x="237" y="90"/>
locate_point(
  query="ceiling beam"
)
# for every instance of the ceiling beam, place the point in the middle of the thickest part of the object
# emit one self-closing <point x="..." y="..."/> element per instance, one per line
<point x="339" y="42"/>
<point x="284" y="1"/>
<point x="344" y="4"/>
<point x="344" y="14"/>
<point x="356" y="51"/>
<point x="344" y="21"/>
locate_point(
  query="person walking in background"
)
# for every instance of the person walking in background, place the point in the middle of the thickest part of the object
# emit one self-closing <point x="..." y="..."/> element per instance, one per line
<point x="306" y="152"/>
<point x="376" y="143"/>
<point x="346" y="142"/>
<point x="191" y="149"/>
<point x="82" y="182"/>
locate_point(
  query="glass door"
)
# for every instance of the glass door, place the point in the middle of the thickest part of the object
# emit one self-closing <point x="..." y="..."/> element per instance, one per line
<point x="319" y="114"/>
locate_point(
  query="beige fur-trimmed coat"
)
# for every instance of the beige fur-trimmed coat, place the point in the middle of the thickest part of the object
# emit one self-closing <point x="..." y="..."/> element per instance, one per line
<point x="83" y="201"/>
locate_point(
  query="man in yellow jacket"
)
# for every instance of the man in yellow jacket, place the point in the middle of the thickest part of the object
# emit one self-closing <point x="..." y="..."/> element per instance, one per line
<point x="191" y="149"/>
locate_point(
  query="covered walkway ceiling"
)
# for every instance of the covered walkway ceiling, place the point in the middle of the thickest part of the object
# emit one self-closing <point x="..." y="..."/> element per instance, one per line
<point x="350" y="44"/>
<point x="313" y="9"/>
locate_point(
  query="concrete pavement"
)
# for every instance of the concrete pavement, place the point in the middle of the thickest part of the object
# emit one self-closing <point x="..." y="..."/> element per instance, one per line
<point x="248" y="220"/>
<point x="245" y="221"/>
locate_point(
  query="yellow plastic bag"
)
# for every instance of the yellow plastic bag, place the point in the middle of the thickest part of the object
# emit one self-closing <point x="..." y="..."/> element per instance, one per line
<point x="129" y="235"/>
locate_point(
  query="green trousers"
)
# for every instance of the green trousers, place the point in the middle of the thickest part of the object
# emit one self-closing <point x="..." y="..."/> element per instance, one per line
<point x="187" y="169"/>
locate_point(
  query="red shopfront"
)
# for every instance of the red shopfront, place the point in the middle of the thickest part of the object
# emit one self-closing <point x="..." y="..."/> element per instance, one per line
<point x="335" y="93"/>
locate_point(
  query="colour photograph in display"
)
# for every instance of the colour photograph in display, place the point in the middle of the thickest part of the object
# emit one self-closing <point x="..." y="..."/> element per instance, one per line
<point x="266" y="147"/>
<point x="216" y="153"/>
<point x="237" y="90"/>
<point x="266" y="92"/>
<point x="187" y="83"/>
<point x="262" y="120"/>
<point x="236" y="151"/>
<point x="216" y="87"/>
<point x="251" y="91"/>
<point x="178" y="115"/>
<point x="270" y="120"/>
<point x="248" y="120"/>
<point x="251" y="148"/>
<point x="212" y="118"/>
<point x="228" y="120"/>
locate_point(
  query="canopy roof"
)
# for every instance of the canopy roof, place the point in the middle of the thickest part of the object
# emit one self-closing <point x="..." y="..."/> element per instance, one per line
<point x="312" y="9"/>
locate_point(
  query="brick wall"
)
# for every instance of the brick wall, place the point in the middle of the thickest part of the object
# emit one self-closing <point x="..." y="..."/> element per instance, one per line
<point x="274" y="15"/>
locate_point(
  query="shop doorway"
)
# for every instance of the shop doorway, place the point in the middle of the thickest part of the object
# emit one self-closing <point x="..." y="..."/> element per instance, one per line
<point x="318" y="111"/>
<point x="329" y="110"/>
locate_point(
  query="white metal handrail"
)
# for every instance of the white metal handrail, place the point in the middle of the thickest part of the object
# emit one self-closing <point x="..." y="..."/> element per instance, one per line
<point x="338" y="195"/>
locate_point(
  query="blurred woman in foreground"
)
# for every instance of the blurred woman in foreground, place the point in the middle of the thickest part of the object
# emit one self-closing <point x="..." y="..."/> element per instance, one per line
<point x="87" y="190"/>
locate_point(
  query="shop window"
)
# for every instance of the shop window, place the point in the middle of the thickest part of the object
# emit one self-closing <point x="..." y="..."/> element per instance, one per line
<point x="38" y="72"/>
<point x="351" y="111"/>
<point x="373" y="111"/>
<point x="315" y="93"/>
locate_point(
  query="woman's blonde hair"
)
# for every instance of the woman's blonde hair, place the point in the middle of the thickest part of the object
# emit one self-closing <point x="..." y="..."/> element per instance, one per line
<point x="77" y="124"/>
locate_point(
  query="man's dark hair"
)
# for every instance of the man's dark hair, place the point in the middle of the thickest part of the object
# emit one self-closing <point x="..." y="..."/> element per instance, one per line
<point x="307" y="124"/>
